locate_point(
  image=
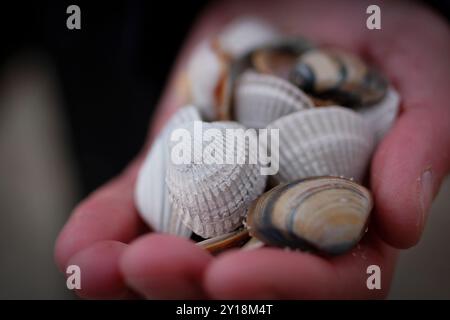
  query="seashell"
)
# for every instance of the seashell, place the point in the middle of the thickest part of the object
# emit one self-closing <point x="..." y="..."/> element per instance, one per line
<point x="204" y="71"/>
<point x="253" y="244"/>
<point x="229" y="240"/>
<point x="328" y="214"/>
<point x="151" y="194"/>
<point x="262" y="60"/>
<point x="338" y="76"/>
<point x="209" y="196"/>
<point x="381" y="116"/>
<point x="279" y="57"/>
<point x="245" y="34"/>
<point x="261" y="99"/>
<point x="323" y="141"/>
<point x="208" y="68"/>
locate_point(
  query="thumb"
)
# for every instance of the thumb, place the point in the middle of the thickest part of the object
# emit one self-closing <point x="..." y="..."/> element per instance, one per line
<point x="407" y="171"/>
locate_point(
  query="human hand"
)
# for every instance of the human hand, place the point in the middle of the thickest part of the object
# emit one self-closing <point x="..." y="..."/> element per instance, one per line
<point x="103" y="235"/>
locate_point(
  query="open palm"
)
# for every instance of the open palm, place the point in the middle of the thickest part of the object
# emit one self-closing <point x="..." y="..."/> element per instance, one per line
<point x="107" y="239"/>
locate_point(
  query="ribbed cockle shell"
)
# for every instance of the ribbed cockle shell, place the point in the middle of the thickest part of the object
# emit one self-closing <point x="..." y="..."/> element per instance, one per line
<point x="381" y="116"/>
<point x="151" y="194"/>
<point x="261" y="99"/>
<point x="211" y="198"/>
<point x="323" y="141"/>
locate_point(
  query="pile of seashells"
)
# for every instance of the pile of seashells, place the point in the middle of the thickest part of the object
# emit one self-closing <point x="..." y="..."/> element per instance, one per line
<point x="331" y="110"/>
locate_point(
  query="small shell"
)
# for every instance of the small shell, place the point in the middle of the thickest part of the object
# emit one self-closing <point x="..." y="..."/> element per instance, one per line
<point x="261" y="99"/>
<point x="323" y="141"/>
<point x="221" y="243"/>
<point x="151" y="194"/>
<point x="253" y="244"/>
<point x="328" y="214"/>
<point x="244" y="34"/>
<point x="279" y="57"/>
<point x="204" y="71"/>
<point x="340" y="77"/>
<point x="381" y="116"/>
<point x="211" y="198"/>
<point x="273" y="62"/>
<point x="208" y="68"/>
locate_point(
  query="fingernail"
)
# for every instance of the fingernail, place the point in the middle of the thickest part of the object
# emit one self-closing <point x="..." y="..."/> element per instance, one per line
<point x="425" y="195"/>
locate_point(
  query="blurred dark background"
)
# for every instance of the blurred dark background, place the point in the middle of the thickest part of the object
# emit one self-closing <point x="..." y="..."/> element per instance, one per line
<point x="74" y="110"/>
<point x="111" y="71"/>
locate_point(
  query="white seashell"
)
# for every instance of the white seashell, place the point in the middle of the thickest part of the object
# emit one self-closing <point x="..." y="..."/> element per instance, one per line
<point x="210" y="198"/>
<point x="151" y="194"/>
<point x="208" y="65"/>
<point x="323" y="141"/>
<point x="244" y="34"/>
<point x="381" y="116"/>
<point x="261" y="99"/>
<point x="253" y="244"/>
<point x="204" y="70"/>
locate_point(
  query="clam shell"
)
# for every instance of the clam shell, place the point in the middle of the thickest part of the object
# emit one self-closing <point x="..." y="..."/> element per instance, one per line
<point x="244" y="34"/>
<point x="338" y="76"/>
<point x="260" y="99"/>
<point x="328" y="214"/>
<point x="221" y="243"/>
<point x="151" y="194"/>
<point x="253" y="244"/>
<point x="381" y="116"/>
<point x="211" y="199"/>
<point x="323" y="141"/>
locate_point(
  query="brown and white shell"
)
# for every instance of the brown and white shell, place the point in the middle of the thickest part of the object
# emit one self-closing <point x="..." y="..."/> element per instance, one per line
<point x="227" y="241"/>
<point x="338" y="76"/>
<point x="208" y="70"/>
<point x="328" y="214"/>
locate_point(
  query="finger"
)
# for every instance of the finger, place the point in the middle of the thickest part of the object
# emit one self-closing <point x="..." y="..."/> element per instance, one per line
<point x="406" y="174"/>
<point x="100" y="277"/>
<point x="277" y="274"/>
<point x="107" y="214"/>
<point x="165" y="267"/>
<point x="411" y="162"/>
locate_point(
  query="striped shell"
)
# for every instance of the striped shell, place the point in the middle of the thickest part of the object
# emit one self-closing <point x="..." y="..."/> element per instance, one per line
<point x="338" y="76"/>
<point x="280" y="56"/>
<point x="323" y="141"/>
<point x="211" y="198"/>
<point x="261" y="99"/>
<point x="229" y="240"/>
<point x="328" y="214"/>
<point x="151" y="194"/>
